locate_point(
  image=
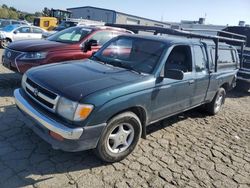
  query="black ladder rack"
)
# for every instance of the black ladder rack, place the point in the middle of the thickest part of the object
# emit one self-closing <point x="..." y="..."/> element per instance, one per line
<point x="241" y="39"/>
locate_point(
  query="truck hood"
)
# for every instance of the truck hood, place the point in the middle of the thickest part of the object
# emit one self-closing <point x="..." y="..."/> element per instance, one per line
<point x="77" y="79"/>
<point x="35" y="45"/>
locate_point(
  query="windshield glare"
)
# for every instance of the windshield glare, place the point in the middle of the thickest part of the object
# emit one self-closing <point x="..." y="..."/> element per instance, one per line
<point x="136" y="54"/>
<point x="70" y="35"/>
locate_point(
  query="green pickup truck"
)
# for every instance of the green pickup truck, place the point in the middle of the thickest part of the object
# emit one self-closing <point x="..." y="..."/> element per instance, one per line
<point x="106" y="102"/>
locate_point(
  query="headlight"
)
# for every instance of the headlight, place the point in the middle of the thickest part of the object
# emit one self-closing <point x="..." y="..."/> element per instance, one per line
<point x="2" y="35"/>
<point x="72" y="110"/>
<point x="34" y="55"/>
<point x="24" y="78"/>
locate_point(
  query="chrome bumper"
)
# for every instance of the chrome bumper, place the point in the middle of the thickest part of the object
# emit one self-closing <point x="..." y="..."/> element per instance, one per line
<point x="65" y="132"/>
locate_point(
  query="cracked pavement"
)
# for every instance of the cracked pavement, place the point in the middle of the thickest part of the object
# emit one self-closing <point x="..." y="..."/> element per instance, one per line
<point x="192" y="149"/>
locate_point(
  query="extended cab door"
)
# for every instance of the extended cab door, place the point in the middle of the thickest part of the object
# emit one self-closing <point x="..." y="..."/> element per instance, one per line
<point x="201" y="81"/>
<point x="172" y="96"/>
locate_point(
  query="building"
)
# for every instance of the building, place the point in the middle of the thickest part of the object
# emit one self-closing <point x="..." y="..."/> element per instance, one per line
<point x="198" y="26"/>
<point x="112" y="16"/>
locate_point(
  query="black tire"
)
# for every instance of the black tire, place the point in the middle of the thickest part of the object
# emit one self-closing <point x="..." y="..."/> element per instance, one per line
<point x="214" y="107"/>
<point x="103" y="149"/>
<point x="5" y="42"/>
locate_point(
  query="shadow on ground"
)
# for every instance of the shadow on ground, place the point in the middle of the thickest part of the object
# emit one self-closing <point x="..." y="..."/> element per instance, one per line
<point x="10" y="80"/>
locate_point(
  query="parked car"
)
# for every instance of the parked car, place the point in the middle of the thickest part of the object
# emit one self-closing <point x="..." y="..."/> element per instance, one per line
<point x="47" y="23"/>
<point x="6" y="22"/>
<point x="71" y="22"/>
<point x="70" y="44"/>
<point x="12" y="33"/>
<point x="107" y="101"/>
<point x="243" y="76"/>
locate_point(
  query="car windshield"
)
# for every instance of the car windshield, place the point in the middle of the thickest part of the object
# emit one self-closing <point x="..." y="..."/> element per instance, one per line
<point x="9" y="28"/>
<point x="136" y="54"/>
<point x="70" y="35"/>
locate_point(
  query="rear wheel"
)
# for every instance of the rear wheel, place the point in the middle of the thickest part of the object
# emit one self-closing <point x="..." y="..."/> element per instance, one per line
<point x="5" y="43"/>
<point x="120" y="137"/>
<point x="216" y="104"/>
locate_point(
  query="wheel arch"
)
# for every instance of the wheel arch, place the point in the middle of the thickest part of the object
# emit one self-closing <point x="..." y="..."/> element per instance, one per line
<point x="140" y="112"/>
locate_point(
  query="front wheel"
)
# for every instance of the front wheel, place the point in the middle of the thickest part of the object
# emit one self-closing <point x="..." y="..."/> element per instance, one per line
<point x="5" y="43"/>
<point x="216" y="104"/>
<point x="119" y="138"/>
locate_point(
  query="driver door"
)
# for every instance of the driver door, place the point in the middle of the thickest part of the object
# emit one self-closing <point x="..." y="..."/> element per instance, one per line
<point x="172" y="96"/>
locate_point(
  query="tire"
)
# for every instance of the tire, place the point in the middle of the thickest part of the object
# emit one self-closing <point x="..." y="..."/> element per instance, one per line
<point x="216" y="104"/>
<point x="5" y="42"/>
<point x="123" y="128"/>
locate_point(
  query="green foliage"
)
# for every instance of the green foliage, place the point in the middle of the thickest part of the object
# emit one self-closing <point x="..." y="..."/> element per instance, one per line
<point x="9" y="12"/>
<point x="12" y="13"/>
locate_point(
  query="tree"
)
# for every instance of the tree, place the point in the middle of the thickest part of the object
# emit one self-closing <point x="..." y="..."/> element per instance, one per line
<point x="38" y="14"/>
<point x="13" y="9"/>
<point x="5" y="6"/>
<point x="29" y="17"/>
<point x="4" y="13"/>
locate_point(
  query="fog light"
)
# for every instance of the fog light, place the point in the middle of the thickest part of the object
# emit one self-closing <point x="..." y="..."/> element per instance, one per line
<point x="56" y="136"/>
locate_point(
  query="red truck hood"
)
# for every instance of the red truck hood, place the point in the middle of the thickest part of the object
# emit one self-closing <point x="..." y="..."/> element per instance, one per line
<point x="36" y="45"/>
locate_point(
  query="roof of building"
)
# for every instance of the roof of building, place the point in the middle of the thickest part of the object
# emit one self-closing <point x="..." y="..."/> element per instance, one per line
<point x="139" y="17"/>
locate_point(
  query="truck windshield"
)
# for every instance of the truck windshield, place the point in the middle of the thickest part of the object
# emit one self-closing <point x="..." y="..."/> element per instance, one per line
<point x="137" y="54"/>
<point x="70" y="35"/>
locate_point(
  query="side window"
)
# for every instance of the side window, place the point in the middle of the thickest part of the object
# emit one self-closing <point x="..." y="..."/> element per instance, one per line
<point x="225" y="56"/>
<point x="200" y="58"/>
<point x="46" y="24"/>
<point x="102" y="37"/>
<point x="180" y="58"/>
<point x="37" y="30"/>
<point x="24" y="30"/>
<point x="15" y="22"/>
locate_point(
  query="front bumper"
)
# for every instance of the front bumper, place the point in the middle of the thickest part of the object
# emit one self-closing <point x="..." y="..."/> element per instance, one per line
<point x="75" y="139"/>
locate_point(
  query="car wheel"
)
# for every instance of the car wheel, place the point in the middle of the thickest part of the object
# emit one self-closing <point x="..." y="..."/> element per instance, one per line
<point x="119" y="138"/>
<point x="5" y="43"/>
<point x="215" y="106"/>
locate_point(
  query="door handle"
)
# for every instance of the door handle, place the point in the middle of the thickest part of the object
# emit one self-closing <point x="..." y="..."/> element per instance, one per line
<point x="191" y="82"/>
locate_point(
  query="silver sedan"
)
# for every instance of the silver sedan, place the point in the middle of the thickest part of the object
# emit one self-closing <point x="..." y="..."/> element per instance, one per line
<point x="12" y="33"/>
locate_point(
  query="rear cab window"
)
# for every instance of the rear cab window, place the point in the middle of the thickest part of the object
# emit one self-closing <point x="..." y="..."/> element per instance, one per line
<point x="226" y="57"/>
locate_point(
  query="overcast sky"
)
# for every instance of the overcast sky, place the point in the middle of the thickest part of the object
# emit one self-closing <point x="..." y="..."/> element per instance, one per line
<point x="220" y="12"/>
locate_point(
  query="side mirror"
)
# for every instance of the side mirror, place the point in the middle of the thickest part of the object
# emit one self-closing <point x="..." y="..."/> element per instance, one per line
<point x="15" y="32"/>
<point x="173" y="74"/>
<point x="88" y="44"/>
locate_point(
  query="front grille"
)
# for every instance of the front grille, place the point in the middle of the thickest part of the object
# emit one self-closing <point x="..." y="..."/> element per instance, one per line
<point x="41" y="95"/>
<point x="11" y="54"/>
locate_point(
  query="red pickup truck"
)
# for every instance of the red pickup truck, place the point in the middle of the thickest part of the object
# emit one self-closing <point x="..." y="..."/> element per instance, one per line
<point x="70" y="44"/>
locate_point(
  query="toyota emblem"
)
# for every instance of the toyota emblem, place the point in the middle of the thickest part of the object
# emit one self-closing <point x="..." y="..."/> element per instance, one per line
<point x="9" y="54"/>
<point x="35" y="92"/>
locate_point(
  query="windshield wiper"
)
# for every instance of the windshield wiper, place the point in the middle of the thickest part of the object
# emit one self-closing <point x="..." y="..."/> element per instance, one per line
<point x="96" y="58"/>
<point x="131" y="68"/>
